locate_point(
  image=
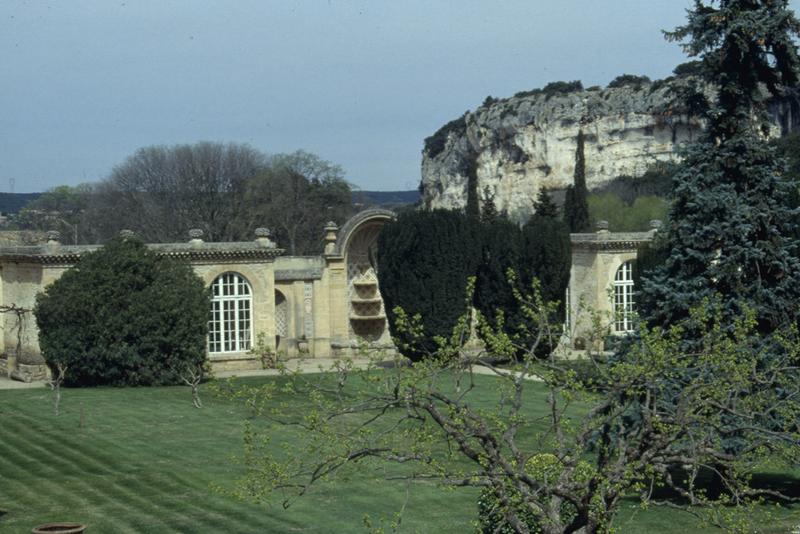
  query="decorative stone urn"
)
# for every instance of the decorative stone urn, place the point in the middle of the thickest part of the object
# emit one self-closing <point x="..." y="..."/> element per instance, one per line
<point x="302" y="346"/>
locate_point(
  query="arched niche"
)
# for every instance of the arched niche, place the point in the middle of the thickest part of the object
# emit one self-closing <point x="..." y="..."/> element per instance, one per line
<point x="358" y="243"/>
<point x="282" y="318"/>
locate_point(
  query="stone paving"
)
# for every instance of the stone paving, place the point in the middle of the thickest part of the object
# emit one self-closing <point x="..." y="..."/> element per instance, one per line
<point x="7" y="383"/>
<point x="308" y="365"/>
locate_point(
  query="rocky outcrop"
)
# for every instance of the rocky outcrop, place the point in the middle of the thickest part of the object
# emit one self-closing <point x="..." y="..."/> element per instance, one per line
<point x="527" y="142"/>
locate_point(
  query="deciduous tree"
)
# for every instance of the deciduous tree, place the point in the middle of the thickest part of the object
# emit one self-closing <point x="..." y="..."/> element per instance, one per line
<point x="162" y="191"/>
<point x="562" y="469"/>
<point x="295" y="195"/>
<point x="60" y="208"/>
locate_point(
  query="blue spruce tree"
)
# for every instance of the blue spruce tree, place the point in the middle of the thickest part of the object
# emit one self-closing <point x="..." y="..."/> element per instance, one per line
<point x="732" y="227"/>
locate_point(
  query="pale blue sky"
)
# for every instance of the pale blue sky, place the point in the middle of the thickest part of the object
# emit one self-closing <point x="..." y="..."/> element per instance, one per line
<point x="84" y="83"/>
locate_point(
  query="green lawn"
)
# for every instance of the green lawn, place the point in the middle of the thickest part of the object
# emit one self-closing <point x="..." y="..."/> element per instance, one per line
<point x="145" y="461"/>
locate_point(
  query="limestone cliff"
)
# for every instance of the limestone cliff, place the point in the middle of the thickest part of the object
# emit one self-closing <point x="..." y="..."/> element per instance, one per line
<point x="526" y="142"/>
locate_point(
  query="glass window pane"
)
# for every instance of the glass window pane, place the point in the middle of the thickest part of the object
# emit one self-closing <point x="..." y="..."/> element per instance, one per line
<point x="229" y="324"/>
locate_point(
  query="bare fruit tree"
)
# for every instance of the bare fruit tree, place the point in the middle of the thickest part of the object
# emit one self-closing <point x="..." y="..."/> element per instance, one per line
<point x="554" y="450"/>
<point x="55" y="382"/>
<point x="192" y="376"/>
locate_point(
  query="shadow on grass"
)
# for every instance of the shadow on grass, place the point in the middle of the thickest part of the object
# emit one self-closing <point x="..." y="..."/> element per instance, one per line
<point x="711" y="485"/>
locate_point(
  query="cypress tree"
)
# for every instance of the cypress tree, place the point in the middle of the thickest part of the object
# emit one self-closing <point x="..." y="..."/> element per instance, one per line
<point x="576" y="206"/>
<point x="544" y="206"/>
<point x="473" y="203"/>
<point x="547" y="253"/>
<point x="489" y="212"/>
<point x="731" y="232"/>
<point x="500" y="250"/>
<point x="424" y="260"/>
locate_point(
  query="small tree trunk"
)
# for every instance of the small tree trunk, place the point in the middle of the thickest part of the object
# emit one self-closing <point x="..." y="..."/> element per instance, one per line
<point x="192" y="378"/>
<point x="57" y="398"/>
<point x="55" y="385"/>
<point x="196" y="397"/>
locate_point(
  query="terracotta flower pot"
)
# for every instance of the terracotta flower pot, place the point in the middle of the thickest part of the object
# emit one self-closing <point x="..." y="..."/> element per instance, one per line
<point x="59" y="528"/>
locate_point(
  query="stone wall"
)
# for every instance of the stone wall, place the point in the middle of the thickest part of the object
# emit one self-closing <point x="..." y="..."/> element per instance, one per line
<point x="595" y="260"/>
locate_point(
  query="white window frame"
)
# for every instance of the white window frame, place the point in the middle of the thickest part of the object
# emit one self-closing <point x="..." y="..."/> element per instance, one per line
<point x="230" y="325"/>
<point x="624" y="304"/>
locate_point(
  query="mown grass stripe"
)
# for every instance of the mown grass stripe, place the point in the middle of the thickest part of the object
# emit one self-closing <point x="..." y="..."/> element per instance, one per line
<point x="127" y="486"/>
<point x="147" y="459"/>
<point x="67" y="464"/>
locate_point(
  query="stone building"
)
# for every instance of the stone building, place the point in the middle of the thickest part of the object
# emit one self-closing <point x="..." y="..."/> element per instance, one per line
<point x="311" y="305"/>
<point x="601" y="283"/>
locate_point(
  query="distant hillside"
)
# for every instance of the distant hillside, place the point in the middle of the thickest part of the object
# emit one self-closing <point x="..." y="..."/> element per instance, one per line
<point x="13" y="202"/>
<point x="386" y="198"/>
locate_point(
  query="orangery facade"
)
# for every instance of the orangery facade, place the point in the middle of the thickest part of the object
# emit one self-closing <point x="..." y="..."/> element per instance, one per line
<point x="311" y="306"/>
<point x="298" y="306"/>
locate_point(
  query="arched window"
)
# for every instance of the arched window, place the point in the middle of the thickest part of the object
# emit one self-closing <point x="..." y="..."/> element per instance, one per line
<point x="229" y="329"/>
<point x="624" y="298"/>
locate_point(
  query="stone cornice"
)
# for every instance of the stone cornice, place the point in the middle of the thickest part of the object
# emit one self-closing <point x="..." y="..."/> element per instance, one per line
<point x="195" y="253"/>
<point x="297" y="274"/>
<point x="608" y="241"/>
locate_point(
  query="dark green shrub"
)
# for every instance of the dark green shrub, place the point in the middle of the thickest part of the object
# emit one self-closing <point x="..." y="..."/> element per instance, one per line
<point x="561" y="88"/>
<point x="124" y="317"/>
<point x="547" y="256"/>
<point x="424" y="260"/>
<point x="532" y="92"/>
<point x="499" y="246"/>
<point x="538" y="251"/>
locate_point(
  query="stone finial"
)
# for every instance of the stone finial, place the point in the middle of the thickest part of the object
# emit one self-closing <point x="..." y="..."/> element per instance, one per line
<point x="655" y="224"/>
<point x="330" y="237"/>
<point x="263" y="237"/>
<point x="196" y="236"/>
<point x="127" y="234"/>
<point x="53" y="237"/>
<point x="602" y="226"/>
